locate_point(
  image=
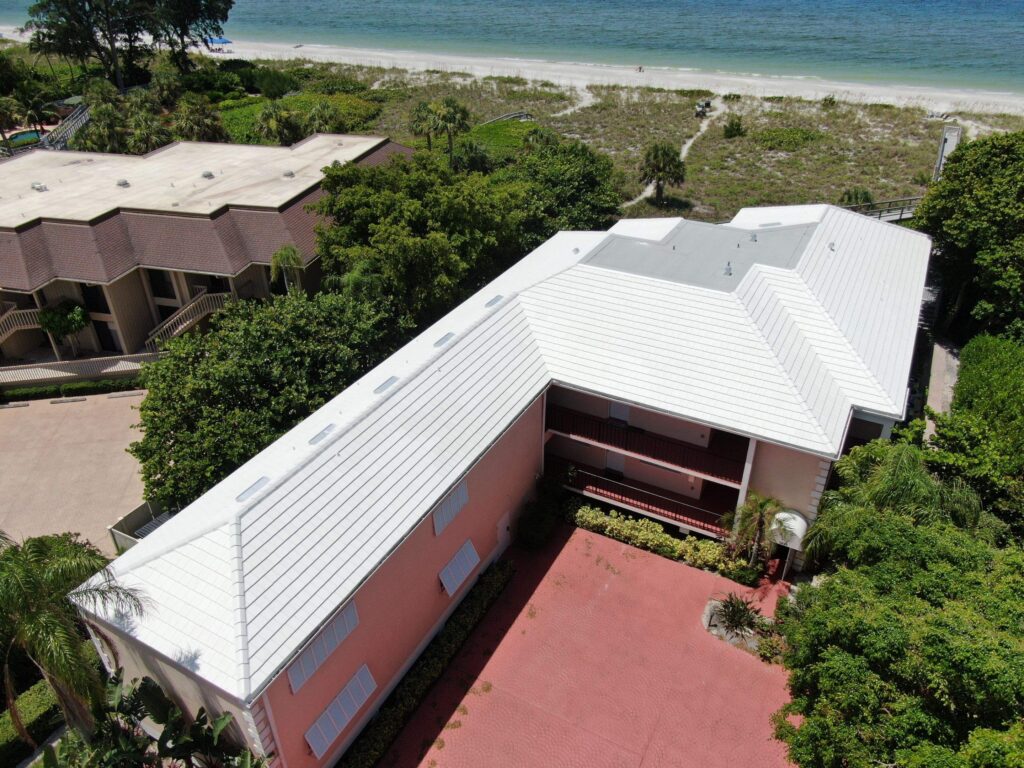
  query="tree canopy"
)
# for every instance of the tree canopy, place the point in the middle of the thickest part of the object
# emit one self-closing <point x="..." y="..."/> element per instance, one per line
<point x="911" y="653"/>
<point x="218" y="398"/>
<point x="120" y="34"/>
<point x="975" y="214"/>
<point x="981" y="440"/>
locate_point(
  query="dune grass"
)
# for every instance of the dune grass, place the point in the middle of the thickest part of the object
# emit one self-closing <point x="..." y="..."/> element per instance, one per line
<point x="624" y="121"/>
<point x="796" y="151"/>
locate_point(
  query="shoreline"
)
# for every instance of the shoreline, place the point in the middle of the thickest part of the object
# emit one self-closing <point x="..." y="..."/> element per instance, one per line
<point x="579" y="75"/>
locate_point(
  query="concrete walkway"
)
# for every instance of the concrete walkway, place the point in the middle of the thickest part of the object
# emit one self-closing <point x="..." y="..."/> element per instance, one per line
<point x="941" y="380"/>
<point x="64" y="467"/>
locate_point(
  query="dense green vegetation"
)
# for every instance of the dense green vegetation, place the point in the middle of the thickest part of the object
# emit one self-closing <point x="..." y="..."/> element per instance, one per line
<point x="218" y="398"/>
<point x="981" y="440"/>
<point x="911" y="652"/>
<point x="975" y="215"/>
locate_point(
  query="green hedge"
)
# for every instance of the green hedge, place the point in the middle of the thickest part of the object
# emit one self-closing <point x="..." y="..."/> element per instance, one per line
<point x="40" y="714"/>
<point x="651" y="535"/>
<point x="71" y="389"/>
<point x="376" y="739"/>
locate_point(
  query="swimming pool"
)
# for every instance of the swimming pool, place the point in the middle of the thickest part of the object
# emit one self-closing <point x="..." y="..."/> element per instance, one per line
<point x="24" y="138"/>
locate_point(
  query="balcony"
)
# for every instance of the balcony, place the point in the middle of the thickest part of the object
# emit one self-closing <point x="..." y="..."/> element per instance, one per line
<point x="702" y="515"/>
<point x="721" y="461"/>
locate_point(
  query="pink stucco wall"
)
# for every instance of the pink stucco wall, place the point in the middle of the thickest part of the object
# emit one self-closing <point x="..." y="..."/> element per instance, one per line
<point x="402" y="602"/>
<point x="788" y="475"/>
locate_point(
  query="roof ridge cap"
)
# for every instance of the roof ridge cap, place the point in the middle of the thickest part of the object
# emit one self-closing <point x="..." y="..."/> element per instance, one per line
<point x="241" y="620"/>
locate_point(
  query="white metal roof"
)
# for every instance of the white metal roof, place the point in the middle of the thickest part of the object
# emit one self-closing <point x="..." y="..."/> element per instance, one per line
<point x="243" y="577"/>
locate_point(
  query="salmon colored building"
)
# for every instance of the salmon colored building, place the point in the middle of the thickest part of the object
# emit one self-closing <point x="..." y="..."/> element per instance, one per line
<point x="152" y="245"/>
<point x="666" y="366"/>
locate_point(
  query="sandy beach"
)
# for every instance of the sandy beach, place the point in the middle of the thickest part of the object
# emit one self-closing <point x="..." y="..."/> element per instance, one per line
<point x="579" y="75"/>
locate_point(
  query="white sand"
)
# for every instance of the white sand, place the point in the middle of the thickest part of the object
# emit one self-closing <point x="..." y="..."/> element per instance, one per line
<point x="578" y="75"/>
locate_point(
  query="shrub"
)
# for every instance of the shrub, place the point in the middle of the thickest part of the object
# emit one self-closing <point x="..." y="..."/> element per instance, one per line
<point x="737" y="615"/>
<point x="734" y="127"/>
<point x="787" y="139"/>
<point x="731" y="97"/>
<point x="30" y="393"/>
<point x="829" y="102"/>
<point x="40" y="714"/>
<point x="856" y="196"/>
<point x="642" y="533"/>
<point x="71" y="389"/>
<point x="769" y="648"/>
<point x="375" y="740"/>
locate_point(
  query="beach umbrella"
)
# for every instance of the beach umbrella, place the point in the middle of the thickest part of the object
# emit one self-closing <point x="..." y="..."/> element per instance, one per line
<point x="218" y="41"/>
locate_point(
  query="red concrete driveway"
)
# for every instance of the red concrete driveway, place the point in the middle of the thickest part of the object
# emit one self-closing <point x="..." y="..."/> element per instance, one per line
<point x="595" y="656"/>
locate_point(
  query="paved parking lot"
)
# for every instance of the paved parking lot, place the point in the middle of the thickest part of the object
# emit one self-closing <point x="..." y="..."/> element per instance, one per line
<point x="596" y="656"/>
<point x="64" y="467"/>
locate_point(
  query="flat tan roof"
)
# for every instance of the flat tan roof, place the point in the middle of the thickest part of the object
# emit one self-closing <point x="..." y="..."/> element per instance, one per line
<point x="81" y="186"/>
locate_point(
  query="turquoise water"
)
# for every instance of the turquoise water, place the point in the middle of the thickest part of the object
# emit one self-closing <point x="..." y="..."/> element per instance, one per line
<point x="918" y="42"/>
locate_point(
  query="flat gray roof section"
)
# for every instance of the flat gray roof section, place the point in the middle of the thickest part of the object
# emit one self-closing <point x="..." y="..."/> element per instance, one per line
<point x="714" y="256"/>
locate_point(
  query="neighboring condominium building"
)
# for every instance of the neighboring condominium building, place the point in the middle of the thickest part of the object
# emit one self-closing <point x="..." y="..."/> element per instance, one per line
<point x="666" y="366"/>
<point x="151" y="245"/>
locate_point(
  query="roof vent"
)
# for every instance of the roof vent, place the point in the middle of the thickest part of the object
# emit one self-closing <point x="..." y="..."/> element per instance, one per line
<point x="251" y="491"/>
<point x="444" y="339"/>
<point x="289" y="174"/>
<point x="321" y="434"/>
<point x="38" y="186"/>
<point x="771" y="224"/>
<point x="575" y="250"/>
<point x="391" y="380"/>
<point x="753" y="237"/>
<point x="728" y="269"/>
<point x="207" y="174"/>
<point x="832" y="246"/>
<point x="494" y="301"/>
<point x="123" y="183"/>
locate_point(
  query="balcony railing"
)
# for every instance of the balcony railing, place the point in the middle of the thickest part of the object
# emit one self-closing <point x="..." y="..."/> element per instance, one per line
<point x="703" y="461"/>
<point x="13" y="320"/>
<point x="703" y="515"/>
<point x="202" y="305"/>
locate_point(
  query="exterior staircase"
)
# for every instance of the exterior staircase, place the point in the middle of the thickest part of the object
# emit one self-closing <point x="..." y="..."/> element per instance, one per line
<point x="202" y="305"/>
<point x="59" y="137"/>
<point x="12" y="319"/>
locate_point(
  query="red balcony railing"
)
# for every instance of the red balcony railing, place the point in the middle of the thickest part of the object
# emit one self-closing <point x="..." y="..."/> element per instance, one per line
<point x="725" y="464"/>
<point x="703" y="514"/>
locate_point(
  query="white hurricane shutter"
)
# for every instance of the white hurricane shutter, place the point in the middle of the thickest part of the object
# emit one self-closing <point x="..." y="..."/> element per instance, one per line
<point x="450" y="507"/>
<point x="459" y="567"/>
<point x="322" y="647"/>
<point x="341" y="711"/>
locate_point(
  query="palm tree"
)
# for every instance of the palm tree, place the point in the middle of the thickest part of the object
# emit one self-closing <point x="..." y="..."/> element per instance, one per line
<point x="9" y="109"/>
<point x="35" y="111"/>
<point x="286" y="261"/>
<point x="449" y="117"/>
<point x="196" y="120"/>
<point x="44" y="582"/>
<point x="883" y="478"/>
<point x="421" y="123"/>
<point x="323" y="117"/>
<point x="276" y="123"/>
<point x="750" y="523"/>
<point x="145" y="129"/>
<point x="661" y="165"/>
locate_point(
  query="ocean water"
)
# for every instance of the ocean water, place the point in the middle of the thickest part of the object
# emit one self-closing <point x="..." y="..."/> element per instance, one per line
<point x="944" y="43"/>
